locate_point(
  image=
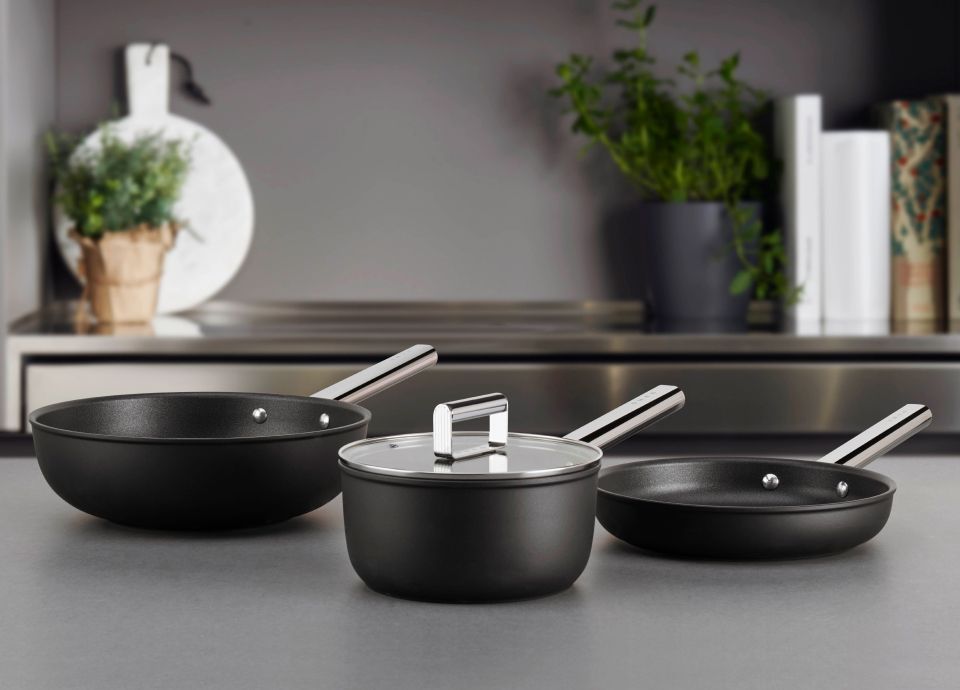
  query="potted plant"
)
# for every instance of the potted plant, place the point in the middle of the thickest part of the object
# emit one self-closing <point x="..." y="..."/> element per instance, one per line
<point x="120" y="197"/>
<point x="692" y="150"/>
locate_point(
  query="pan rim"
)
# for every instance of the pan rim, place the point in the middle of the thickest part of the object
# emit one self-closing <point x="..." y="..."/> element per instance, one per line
<point x="33" y="419"/>
<point x="887" y="494"/>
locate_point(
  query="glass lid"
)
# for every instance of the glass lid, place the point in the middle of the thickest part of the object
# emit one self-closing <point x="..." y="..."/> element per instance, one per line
<point x="522" y="456"/>
<point x="449" y="455"/>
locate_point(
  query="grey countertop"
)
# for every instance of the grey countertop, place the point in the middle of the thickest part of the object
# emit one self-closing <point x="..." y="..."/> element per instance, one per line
<point x="86" y="604"/>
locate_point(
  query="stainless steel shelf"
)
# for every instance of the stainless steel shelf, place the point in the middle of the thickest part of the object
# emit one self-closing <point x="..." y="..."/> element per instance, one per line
<point x="561" y="363"/>
<point x="471" y="329"/>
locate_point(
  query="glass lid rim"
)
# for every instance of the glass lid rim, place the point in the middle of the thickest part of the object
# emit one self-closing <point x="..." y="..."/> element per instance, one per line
<point x="486" y="476"/>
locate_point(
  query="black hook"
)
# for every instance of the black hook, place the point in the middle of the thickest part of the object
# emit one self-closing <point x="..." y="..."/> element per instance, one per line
<point x="190" y="87"/>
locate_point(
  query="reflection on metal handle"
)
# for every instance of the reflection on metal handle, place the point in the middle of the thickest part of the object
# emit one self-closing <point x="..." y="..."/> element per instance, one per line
<point x="621" y="423"/>
<point x="381" y="375"/>
<point x="492" y="405"/>
<point x="882" y="437"/>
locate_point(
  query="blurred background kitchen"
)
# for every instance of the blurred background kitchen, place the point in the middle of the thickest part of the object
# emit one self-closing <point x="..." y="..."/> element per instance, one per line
<point x="401" y="172"/>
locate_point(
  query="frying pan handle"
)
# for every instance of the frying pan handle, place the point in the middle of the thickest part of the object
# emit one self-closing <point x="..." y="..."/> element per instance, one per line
<point x="882" y="437"/>
<point x="623" y="422"/>
<point x="382" y="375"/>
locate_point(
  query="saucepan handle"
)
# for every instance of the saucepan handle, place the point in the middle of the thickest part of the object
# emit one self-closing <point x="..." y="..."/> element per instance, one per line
<point x="882" y="437"/>
<point x="623" y="422"/>
<point x="381" y="375"/>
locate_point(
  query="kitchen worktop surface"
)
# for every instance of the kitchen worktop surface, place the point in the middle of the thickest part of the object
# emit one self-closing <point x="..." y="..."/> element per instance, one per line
<point x="87" y="604"/>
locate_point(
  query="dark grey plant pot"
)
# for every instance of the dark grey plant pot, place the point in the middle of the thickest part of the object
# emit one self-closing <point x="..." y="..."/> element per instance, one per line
<point x="689" y="265"/>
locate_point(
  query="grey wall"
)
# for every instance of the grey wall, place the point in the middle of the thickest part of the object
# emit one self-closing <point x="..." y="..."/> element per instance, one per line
<point x="27" y="95"/>
<point x="404" y="149"/>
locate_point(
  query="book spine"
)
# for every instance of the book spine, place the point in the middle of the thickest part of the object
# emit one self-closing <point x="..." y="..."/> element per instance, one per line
<point x="918" y="208"/>
<point x="856" y="227"/>
<point x="798" y="125"/>
<point x="952" y="103"/>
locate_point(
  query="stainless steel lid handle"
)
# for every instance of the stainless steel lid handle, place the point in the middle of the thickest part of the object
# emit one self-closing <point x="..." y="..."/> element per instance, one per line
<point x="382" y="375"/>
<point x="882" y="437"/>
<point x="623" y="422"/>
<point x="445" y="415"/>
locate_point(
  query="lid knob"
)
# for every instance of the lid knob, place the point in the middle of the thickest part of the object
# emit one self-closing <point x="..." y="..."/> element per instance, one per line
<point x="492" y="405"/>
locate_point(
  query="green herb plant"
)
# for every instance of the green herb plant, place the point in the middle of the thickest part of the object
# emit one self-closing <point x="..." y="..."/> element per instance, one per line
<point x="695" y="140"/>
<point x="118" y="186"/>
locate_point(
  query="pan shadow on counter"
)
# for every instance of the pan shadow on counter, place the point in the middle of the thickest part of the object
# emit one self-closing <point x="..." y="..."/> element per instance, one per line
<point x="96" y="528"/>
<point x="621" y="548"/>
<point x="569" y="599"/>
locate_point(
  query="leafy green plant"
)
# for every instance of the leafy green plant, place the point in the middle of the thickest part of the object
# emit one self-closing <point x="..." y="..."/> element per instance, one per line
<point x="676" y="142"/>
<point x="118" y="186"/>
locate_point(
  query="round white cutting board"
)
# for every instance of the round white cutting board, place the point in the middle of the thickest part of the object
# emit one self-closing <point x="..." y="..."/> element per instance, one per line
<point x="216" y="203"/>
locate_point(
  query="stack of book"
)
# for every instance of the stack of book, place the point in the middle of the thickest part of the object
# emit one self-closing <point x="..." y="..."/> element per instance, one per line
<point x="872" y="232"/>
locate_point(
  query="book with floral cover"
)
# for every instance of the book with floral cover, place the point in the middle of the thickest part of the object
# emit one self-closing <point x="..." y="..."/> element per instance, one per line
<point x="918" y="208"/>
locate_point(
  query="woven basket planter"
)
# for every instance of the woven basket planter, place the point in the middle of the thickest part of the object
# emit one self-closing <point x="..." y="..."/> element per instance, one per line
<point x="122" y="272"/>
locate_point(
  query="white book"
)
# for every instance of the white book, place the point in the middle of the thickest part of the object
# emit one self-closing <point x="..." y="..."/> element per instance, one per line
<point x="953" y="206"/>
<point x="856" y="228"/>
<point x="797" y="139"/>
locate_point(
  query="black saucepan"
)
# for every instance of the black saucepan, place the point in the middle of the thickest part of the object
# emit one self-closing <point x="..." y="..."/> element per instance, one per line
<point x="464" y="516"/>
<point x="757" y="508"/>
<point x="208" y="460"/>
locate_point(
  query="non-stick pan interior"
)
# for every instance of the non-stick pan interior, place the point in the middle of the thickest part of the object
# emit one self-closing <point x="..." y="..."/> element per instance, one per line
<point x="171" y="416"/>
<point x="739" y="482"/>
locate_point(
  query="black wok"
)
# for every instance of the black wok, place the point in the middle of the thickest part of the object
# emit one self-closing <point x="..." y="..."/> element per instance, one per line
<point x="756" y="508"/>
<point x="208" y="460"/>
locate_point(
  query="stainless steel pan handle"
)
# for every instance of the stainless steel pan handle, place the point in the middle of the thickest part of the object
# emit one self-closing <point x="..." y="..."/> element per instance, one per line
<point x="623" y="422"/>
<point x="882" y="437"/>
<point x="382" y="375"/>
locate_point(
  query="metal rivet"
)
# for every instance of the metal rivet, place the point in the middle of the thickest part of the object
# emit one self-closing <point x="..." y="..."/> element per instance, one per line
<point x="770" y="482"/>
<point x="324" y="420"/>
<point x="259" y="415"/>
<point x="842" y="489"/>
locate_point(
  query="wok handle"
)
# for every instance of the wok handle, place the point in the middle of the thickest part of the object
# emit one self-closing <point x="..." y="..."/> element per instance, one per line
<point x="623" y="422"/>
<point x="882" y="437"/>
<point x="380" y="376"/>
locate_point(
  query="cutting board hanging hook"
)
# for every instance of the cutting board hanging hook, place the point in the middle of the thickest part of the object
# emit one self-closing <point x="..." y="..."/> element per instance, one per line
<point x="190" y="87"/>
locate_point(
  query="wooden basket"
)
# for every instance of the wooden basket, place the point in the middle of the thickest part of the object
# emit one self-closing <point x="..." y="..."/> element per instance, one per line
<point x="122" y="272"/>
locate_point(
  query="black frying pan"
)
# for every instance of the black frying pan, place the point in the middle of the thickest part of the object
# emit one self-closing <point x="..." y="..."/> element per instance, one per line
<point x="208" y="460"/>
<point x="752" y="508"/>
